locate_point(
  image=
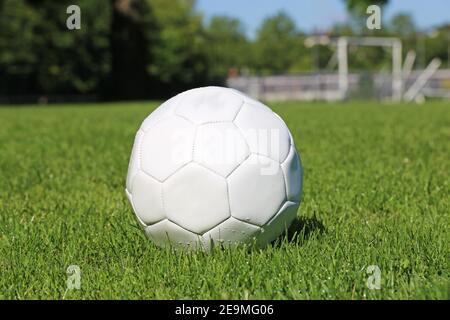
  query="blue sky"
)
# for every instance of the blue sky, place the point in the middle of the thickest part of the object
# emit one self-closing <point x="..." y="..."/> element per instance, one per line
<point x="311" y="14"/>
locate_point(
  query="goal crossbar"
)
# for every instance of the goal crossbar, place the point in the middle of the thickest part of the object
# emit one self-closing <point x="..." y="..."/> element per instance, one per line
<point x="342" y="44"/>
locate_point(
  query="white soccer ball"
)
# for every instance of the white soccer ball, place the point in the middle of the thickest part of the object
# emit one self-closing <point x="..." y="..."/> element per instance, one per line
<point x="212" y="166"/>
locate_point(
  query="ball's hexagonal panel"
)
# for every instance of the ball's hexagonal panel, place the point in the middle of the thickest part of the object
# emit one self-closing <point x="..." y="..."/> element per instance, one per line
<point x="231" y="232"/>
<point x="134" y="165"/>
<point x="130" y="199"/>
<point x="220" y="147"/>
<point x="147" y="199"/>
<point x="293" y="175"/>
<point x="166" y="147"/>
<point x="164" y="111"/>
<point x="209" y="104"/>
<point x="256" y="190"/>
<point x="167" y="233"/>
<point x="265" y="132"/>
<point x="278" y="224"/>
<point x="196" y="198"/>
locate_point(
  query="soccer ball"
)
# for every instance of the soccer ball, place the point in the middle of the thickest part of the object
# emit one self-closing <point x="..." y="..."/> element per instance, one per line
<point x="213" y="167"/>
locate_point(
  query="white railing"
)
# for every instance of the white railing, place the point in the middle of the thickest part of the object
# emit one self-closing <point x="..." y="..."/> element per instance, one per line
<point x="325" y="86"/>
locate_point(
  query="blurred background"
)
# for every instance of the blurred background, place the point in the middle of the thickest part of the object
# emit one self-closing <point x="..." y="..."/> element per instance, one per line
<point x="272" y="50"/>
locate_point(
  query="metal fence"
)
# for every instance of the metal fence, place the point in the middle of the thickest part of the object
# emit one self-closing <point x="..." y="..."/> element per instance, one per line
<point x="325" y="86"/>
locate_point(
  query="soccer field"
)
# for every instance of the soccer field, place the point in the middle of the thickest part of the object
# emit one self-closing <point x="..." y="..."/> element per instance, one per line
<point x="376" y="193"/>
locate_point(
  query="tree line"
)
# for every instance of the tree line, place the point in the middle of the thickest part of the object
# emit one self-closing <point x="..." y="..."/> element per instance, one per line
<point x="132" y="49"/>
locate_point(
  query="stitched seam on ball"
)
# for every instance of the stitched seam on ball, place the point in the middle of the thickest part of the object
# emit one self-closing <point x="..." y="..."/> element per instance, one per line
<point x="215" y="122"/>
<point x="156" y="123"/>
<point x="249" y="149"/>
<point x="250" y="223"/>
<point x="278" y="211"/>
<point x="216" y="225"/>
<point x="140" y="221"/>
<point x="194" y="142"/>
<point x="162" y="200"/>
<point x="291" y="149"/>
<point x="157" y="221"/>
<point x="243" y="136"/>
<point x="139" y="145"/>
<point x="173" y="173"/>
<point x="267" y="157"/>
<point x="239" y="110"/>
<point x="239" y="164"/>
<point x="284" y="174"/>
<point x="185" y="118"/>
<point x="228" y="198"/>
<point x="209" y="169"/>
<point x="195" y="233"/>
<point x="285" y="183"/>
<point x="150" y="176"/>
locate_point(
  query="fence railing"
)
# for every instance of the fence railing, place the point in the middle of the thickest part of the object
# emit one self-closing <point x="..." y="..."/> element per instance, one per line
<point x="325" y="86"/>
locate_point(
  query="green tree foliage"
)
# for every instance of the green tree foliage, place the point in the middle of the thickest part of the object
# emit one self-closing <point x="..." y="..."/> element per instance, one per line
<point x="227" y="46"/>
<point x="402" y="25"/>
<point x="438" y="45"/>
<point x="180" y="57"/>
<point x="150" y="48"/>
<point x="17" y="56"/>
<point x="38" y="54"/>
<point x="278" y="46"/>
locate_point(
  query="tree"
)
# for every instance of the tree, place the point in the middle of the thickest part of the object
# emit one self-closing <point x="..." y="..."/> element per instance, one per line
<point x="227" y="46"/>
<point x="438" y="44"/>
<point x="180" y="61"/>
<point x="131" y="37"/>
<point x="278" y="45"/>
<point x="39" y="55"/>
<point x="402" y="25"/>
<point x="17" y="57"/>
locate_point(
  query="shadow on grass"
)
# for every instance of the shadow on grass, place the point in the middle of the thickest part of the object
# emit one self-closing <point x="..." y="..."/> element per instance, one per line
<point x="302" y="229"/>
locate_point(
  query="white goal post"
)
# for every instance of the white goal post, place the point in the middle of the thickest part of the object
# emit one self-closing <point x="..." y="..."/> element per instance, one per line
<point x="342" y="44"/>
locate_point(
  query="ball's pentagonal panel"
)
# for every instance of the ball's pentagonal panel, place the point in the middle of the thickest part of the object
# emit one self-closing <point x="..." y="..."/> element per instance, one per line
<point x="147" y="198"/>
<point x="164" y="111"/>
<point x="278" y="224"/>
<point x="166" y="147"/>
<point x="196" y="198"/>
<point x="256" y="190"/>
<point x="231" y="232"/>
<point x="134" y="165"/>
<point x="293" y="175"/>
<point x="264" y="131"/>
<point x="220" y="147"/>
<point x="209" y="104"/>
<point x="168" y="233"/>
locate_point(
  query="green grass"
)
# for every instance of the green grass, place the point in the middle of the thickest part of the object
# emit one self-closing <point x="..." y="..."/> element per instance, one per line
<point x="376" y="192"/>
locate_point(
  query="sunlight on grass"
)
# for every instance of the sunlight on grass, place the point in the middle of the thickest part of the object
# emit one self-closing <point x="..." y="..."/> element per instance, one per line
<point x="376" y="192"/>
